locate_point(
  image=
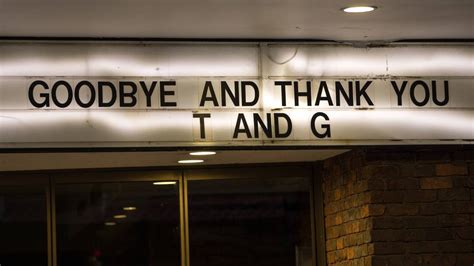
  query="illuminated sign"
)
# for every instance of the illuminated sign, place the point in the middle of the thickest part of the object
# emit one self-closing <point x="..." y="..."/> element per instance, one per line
<point x="116" y="95"/>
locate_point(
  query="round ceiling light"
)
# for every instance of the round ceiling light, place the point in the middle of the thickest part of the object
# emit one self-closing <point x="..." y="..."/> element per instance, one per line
<point x="359" y="9"/>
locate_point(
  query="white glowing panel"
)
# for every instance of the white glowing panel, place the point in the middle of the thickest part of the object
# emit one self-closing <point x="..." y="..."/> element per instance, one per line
<point x="154" y="94"/>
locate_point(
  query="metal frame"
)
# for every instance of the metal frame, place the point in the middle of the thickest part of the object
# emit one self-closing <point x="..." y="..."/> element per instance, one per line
<point x="182" y="175"/>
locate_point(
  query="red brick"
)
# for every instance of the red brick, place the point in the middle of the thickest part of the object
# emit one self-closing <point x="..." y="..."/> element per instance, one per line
<point x="454" y="220"/>
<point x="386" y="222"/>
<point x="463" y="206"/>
<point x="433" y="156"/>
<point x="430" y="259"/>
<point x="436" y="183"/>
<point x="402" y="209"/>
<point x="448" y="169"/>
<point x="420" y="195"/>
<point x="403" y="183"/>
<point x="384" y="196"/>
<point x="465" y="259"/>
<point x="351" y="253"/>
<point x="427" y="234"/>
<point x="436" y="208"/>
<point x="466" y="233"/>
<point x="465" y="155"/>
<point x="424" y="170"/>
<point x="331" y="245"/>
<point x="382" y="248"/>
<point x="408" y="170"/>
<point x="333" y="232"/>
<point x="331" y="257"/>
<point x="388" y="235"/>
<point x="462" y="181"/>
<point x="388" y="260"/>
<point x="422" y="247"/>
<point x="420" y="221"/>
<point x="376" y="209"/>
<point x="456" y="194"/>
<point x="457" y="246"/>
<point x="380" y="171"/>
<point x="361" y="186"/>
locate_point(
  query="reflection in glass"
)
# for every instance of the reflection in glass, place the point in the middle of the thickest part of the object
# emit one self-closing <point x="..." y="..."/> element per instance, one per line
<point x="93" y="227"/>
<point x="258" y="222"/>
<point x="23" y="226"/>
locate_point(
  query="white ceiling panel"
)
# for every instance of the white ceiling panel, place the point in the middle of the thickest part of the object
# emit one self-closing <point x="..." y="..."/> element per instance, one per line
<point x="256" y="19"/>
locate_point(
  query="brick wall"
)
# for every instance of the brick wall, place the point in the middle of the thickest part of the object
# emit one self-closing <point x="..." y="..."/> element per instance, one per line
<point x="400" y="206"/>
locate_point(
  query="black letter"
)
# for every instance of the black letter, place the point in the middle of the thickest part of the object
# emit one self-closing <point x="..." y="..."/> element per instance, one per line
<point x="205" y="98"/>
<point x="257" y="121"/>
<point x="202" y="127"/>
<point x="283" y="85"/>
<point x="113" y="91"/>
<point x="412" y="93"/>
<point x="279" y="134"/>
<point x="237" y="130"/>
<point x="323" y="86"/>
<point x="299" y="94"/>
<point x="69" y="94"/>
<point x="130" y="95"/>
<point x="446" y="94"/>
<point x="234" y="97"/>
<point x="348" y="97"/>
<point x="77" y="94"/>
<point x="45" y="96"/>
<point x="163" y="93"/>
<point x="399" y="91"/>
<point x="327" y="133"/>
<point x="244" y="93"/>
<point x="362" y="92"/>
<point x="148" y="92"/>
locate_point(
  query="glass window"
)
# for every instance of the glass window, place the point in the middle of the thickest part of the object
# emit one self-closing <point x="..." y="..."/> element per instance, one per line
<point x="259" y="222"/>
<point x="23" y="226"/>
<point x="118" y="224"/>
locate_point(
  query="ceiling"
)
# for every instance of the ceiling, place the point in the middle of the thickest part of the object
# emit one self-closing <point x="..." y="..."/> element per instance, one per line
<point x="238" y="19"/>
<point x="84" y="160"/>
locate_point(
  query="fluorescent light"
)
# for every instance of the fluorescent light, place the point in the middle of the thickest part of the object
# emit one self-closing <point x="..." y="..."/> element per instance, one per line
<point x="129" y="208"/>
<point x="358" y="9"/>
<point x="202" y="153"/>
<point x="164" y="183"/>
<point x="110" y="223"/>
<point x="120" y="216"/>
<point x="190" y="161"/>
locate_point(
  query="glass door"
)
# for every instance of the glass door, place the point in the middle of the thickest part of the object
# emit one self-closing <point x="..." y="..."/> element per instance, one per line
<point x="250" y="216"/>
<point x="118" y="219"/>
<point x="24" y="220"/>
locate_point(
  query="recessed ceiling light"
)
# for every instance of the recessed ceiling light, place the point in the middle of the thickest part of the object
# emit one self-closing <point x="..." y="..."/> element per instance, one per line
<point x="120" y="216"/>
<point x="164" y="183"/>
<point x="130" y="208"/>
<point x="202" y="153"/>
<point x="358" y="9"/>
<point x="110" y="223"/>
<point x="190" y="161"/>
